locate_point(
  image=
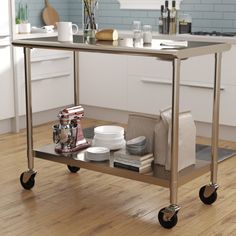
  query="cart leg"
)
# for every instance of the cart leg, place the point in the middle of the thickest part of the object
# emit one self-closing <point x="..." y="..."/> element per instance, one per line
<point x="27" y="178"/>
<point x="168" y="215"/>
<point x="76" y="77"/>
<point x="208" y="193"/>
<point x="215" y="118"/>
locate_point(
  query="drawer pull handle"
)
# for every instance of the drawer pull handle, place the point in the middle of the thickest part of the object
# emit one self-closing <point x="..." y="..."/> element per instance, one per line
<point x="4" y="45"/>
<point x="48" y="59"/>
<point x="50" y="77"/>
<point x="186" y="84"/>
<point x="4" y="35"/>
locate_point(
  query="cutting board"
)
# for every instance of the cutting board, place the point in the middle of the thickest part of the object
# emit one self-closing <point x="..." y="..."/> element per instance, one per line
<point x="50" y="15"/>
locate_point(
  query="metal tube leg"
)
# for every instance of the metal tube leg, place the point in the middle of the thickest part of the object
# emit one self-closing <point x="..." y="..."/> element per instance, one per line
<point x="76" y="77"/>
<point x="208" y="193"/>
<point x="175" y="132"/>
<point x="215" y="119"/>
<point x="28" y="100"/>
<point x="168" y="215"/>
<point x="27" y="177"/>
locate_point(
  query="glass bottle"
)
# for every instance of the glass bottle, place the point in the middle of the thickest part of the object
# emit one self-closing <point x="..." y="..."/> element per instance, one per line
<point x="160" y="22"/>
<point x="173" y="19"/>
<point x="90" y="26"/>
<point x="166" y="18"/>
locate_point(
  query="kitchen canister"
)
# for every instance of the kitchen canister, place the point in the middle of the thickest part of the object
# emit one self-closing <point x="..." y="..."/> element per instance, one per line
<point x="147" y="34"/>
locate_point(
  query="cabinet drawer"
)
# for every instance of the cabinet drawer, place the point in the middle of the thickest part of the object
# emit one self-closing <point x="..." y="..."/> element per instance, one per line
<point x="149" y="66"/>
<point x="50" y="93"/>
<point x="52" y="80"/>
<point x="228" y="67"/>
<point x="37" y="53"/>
<point x="151" y="96"/>
<point x="6" y="84"/>
<point x="200" y="101"/>
<point x="51" y="67"/>
<point x="227" y="107"/>
<point x="103" y="80"/>
<point x="200" y="69"/>
<point x="56" y="92"/>
<point x="147" y="97"/>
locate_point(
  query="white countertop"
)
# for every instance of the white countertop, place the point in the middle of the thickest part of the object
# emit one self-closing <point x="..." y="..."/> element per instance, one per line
<point x="188" y="37"/>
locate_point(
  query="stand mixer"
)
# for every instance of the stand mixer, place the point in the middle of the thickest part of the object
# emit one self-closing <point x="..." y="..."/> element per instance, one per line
<point x="68" y="134"/>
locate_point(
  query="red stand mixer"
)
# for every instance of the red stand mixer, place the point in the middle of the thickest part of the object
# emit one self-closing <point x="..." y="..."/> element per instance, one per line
<point x="68" y="134"/>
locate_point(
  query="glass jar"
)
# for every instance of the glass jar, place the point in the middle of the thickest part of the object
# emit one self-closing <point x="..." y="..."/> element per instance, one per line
<point x="89" y="13"/>
<point x="185" y="24"/>
<point x="147" y="34"/>
<point x="137" y="33"/>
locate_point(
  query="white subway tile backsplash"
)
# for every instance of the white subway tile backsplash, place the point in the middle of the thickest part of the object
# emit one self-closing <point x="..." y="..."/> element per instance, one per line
<point x="216" y="15"/>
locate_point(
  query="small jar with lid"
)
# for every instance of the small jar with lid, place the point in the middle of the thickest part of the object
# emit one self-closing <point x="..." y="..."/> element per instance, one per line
<point x="137" y="33"/>
<point x="185" y="24"/>
<point x="147" y="34"/>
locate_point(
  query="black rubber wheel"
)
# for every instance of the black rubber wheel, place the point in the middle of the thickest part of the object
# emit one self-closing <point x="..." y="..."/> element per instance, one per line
<point x="168" y="224"/>
<point x="29" y="184"/>
<point x="207" y="200"/>
<point x="73" y="169"/>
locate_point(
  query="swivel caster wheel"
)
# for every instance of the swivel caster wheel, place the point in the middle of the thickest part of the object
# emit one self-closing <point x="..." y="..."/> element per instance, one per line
<point x="168" y="217"/>
<point x="208" y="194"/>
<point x="73" y="169"/>
<point x="27" y="179"/>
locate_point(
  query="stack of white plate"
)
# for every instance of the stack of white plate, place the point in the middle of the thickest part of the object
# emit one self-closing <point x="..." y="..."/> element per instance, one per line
<point x="97" y="154"/>
<point x="109" y="136"/>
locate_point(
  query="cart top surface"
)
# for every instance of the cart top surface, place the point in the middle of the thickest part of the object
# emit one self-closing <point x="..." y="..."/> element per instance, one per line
<point x="165" y="49"/>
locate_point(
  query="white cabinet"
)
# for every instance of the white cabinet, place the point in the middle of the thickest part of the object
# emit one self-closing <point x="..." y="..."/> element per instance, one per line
<point x="52" y="79"/>
<point x="199" y="70"/>
<point x="144" y="84"/>
<point x="103" y="80"/>
<point x="228" y="67"/>
<point x="149" y="67"/>
<point x="4" y="19"/>
<point x="147" y="89"/>
<point x="6" y="73"/>
<point x="6" y="82"/>
<point x="150" y="85"/>
<point x="147" y="95"/>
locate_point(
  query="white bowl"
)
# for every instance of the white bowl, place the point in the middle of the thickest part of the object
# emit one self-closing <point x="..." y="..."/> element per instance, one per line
<point x="108" y="138"/>
<point x="109" y="131"/>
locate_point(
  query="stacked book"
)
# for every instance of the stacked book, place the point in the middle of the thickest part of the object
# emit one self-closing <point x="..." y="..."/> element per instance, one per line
<point x="141" y="164"/>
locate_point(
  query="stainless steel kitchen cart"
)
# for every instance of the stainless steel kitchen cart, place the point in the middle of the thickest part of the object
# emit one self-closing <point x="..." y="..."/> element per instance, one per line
<point x="173" y="53"/>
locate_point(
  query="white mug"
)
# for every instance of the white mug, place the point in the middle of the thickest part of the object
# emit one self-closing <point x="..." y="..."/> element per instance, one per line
<point x="66" y="31"/>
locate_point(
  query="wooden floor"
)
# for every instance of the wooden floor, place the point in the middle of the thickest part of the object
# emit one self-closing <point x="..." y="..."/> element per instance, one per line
<point x="91" y="204"/>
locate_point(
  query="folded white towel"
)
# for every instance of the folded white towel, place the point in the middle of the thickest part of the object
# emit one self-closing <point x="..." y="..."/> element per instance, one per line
<point x="44" y="29"/>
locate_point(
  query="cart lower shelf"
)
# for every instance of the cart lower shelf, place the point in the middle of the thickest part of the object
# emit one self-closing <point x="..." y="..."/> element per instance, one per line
<point x="159" y="176"/>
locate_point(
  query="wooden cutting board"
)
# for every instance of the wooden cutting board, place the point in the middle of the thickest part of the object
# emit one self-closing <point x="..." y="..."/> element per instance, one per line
<point x="50" y="15"/>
